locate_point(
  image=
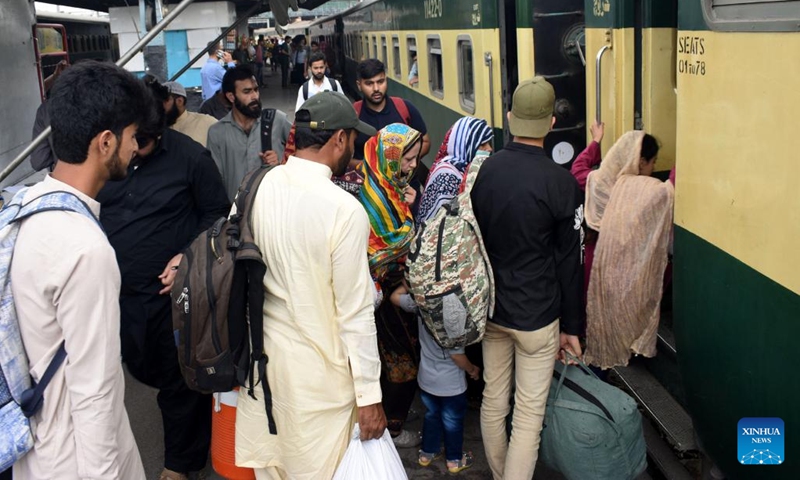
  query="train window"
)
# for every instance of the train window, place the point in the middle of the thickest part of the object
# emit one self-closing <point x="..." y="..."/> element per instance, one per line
<point x="374" y="46"/>
<point x="396" y="56"/>
<point x="435" y="66"/>
<point x="752" y="15"/>
<point x="466" y="74"/>
<point x="411" y="42"/>
<point x="384" y="52"/>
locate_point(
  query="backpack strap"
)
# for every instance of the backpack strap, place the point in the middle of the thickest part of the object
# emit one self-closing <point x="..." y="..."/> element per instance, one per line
<point x="305" y="90"/>
<point x="474" y="167"/>
<point x="258" y="357"/>
<point x="255" y="271"/>
<point x="399" y="105"/>
<point x="52" y="202"/>
<point x="334" y="85"/>
<point x="33" y="398"/>
<point x="402" y="109"/>
<point x="267" y="119"/>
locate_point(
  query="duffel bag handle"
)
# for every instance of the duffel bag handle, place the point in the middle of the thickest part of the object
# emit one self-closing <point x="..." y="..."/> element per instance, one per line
<point x="580" y="362"/>
<point x="563" y="374"/>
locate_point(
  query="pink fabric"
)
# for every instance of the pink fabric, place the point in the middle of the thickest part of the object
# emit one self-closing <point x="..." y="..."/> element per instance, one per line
<point x="585" y="163"/>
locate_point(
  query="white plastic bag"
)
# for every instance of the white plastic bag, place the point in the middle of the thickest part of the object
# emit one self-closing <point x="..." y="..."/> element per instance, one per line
<point x="371" y="460"/>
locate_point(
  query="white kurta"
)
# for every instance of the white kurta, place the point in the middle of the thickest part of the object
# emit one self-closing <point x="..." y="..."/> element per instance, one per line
<point x="319" y="328"/>
<point x="66" y="284"/>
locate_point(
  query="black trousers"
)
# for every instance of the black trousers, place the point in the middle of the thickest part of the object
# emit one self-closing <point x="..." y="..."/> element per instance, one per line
<point x="284" y="72"/>
<point x="397" y="400"/>
<point x="148" y="349"/>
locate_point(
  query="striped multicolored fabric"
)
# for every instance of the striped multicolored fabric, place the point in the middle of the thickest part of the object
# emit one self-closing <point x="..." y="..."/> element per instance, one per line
<point x="391" y="222"/>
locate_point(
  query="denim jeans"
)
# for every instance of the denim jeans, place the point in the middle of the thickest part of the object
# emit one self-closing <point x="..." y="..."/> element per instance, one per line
<point x="444" y="414"/>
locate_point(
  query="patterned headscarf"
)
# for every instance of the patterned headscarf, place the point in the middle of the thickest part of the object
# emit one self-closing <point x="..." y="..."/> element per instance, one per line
<point x="391" y="223"/>
<point x="460" y="144"/>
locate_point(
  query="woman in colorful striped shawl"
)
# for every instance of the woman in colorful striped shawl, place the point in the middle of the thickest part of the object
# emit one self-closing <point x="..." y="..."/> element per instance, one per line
<point x="389" y="161"/>
<point x="461" y="143"/>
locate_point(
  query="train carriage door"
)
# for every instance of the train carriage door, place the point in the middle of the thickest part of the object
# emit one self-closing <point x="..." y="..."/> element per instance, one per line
<point x="634" y="43"/>
<point x="655" y="98"/>
<point x="551" y="44"/>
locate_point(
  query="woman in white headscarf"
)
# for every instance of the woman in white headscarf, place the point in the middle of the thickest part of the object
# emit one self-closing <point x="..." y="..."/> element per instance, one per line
<point x="633" y="214"/>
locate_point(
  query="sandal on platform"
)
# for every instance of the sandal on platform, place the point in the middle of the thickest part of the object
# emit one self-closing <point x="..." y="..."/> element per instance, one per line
<point x="455" y="467"/>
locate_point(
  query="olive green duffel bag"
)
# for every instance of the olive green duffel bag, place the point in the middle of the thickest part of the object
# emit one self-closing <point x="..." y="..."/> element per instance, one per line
<point x="592" y="430"/>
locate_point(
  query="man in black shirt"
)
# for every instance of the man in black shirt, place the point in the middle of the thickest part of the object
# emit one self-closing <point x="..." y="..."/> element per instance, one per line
<point x="529" y="212"/>
<point x="173" y="192"/>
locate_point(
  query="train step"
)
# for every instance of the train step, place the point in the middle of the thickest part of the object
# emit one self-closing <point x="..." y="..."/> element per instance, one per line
<point x="658" y="404"/>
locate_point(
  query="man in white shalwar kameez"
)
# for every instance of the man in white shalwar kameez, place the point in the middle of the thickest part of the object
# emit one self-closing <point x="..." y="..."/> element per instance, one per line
<point x="65" y="282"/>
<point x="319" y="327"/>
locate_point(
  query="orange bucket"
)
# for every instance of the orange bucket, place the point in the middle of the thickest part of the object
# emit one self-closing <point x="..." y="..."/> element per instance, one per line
<point x="223" y="436"/>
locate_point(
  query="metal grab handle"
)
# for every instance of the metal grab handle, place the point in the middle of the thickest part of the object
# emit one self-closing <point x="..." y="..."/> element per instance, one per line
<point x="598" y="78"/>
<point x="173" y="14"/>
<point x="489" y="62"/>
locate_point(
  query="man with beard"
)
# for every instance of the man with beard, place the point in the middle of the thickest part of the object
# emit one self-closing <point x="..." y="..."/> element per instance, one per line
<point x="319" y="327"/>
<point x="194" y="125"/>
<point x="318" y="81"/>
<point x="172" y="192"/>
<point x="380" y="110"/>
<point x="235" y="141"/>
<point x="65" y="282"/>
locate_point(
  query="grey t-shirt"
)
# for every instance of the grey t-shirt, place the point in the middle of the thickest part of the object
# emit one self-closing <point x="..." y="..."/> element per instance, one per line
<point x="438" y="374"/>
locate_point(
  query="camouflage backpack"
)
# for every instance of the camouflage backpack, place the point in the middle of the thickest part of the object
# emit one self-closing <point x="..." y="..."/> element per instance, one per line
<point x="449" y="274"/>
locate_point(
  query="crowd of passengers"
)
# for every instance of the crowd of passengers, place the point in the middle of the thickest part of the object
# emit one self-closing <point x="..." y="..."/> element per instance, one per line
<point x="578" y="257"/>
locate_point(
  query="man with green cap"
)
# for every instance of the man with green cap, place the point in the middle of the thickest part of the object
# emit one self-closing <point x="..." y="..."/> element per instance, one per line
<point x="319" y="328"/>
<point x="529" y="212"/>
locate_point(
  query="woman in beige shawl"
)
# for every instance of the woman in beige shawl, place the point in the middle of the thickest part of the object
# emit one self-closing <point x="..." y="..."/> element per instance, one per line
<point x="633" y="213"/>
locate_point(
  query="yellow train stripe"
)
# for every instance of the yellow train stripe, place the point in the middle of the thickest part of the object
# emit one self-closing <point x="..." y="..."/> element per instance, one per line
<point x="737" y="177"/>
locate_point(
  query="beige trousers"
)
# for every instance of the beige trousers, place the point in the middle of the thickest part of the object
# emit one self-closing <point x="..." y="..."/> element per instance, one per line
<point x="528" y="357"/>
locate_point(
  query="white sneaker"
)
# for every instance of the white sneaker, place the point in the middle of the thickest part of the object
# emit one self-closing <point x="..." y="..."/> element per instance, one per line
<point x="407" y="439"/>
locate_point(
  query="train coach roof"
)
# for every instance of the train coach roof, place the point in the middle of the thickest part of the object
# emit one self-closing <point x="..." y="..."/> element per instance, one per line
<point x="241" y="5"/>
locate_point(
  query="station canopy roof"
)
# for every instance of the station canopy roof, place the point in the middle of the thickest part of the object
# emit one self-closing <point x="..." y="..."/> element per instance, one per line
<point x="241" y="5"/>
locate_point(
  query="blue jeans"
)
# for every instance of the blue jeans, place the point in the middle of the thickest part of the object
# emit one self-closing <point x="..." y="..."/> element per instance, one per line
<point x="444" y="414"/>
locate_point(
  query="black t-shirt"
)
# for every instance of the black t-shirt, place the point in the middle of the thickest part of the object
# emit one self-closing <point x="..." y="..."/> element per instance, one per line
<point x="387" y="116"/>
<point x="529" y="211"/>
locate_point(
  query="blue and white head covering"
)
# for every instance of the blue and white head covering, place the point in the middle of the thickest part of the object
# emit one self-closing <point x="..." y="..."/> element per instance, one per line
<point x="460" y="144"/>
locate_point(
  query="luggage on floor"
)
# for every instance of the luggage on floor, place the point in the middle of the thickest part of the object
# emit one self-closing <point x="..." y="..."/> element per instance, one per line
<point x="592" y="430"/>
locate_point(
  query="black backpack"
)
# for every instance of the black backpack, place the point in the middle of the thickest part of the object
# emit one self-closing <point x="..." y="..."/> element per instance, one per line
<point x="334" y="87"/>
<point x="218" y="293"/>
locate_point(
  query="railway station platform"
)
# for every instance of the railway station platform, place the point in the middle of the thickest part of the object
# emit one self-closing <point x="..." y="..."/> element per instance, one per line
<point x="145" y="417"/>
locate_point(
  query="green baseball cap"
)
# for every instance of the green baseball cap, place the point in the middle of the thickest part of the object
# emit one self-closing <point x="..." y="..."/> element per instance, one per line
<point x="333" y="111"/>
<point x="532" y="108"/>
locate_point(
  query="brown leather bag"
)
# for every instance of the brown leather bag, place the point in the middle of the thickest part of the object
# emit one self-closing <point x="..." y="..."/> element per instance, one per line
<point x="217" y="297"/>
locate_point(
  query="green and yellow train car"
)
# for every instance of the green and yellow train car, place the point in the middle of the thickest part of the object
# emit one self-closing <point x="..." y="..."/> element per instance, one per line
<point x="737" y="222"/>
<point x="716" y="81"/>
<point x="470" y="55"/>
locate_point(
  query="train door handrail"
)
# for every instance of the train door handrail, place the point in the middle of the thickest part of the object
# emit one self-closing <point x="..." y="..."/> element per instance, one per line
<point x="598" y="78"/>
<point x="172" y="15"/>
<point x="489" y="62"/>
